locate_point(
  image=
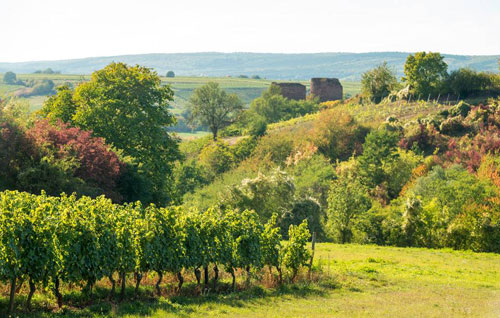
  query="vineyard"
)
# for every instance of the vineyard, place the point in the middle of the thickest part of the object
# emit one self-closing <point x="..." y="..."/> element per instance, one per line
<point x="47" y="241"/>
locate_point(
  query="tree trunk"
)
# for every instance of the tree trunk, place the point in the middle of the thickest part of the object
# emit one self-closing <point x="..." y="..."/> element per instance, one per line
<point x="30" y="295"/>
<point x="160" y="278"/>
<point x="123" y="280"/>
<point x="216" y="275"/>
<point x="12" y="294"/>
<point x="294" y="274"/>
<point x="57" y="293"/>
<point x="280" y="273"/>
<point x="113" y="283"/>
<point x="214" y="132"/>
<point x="19" y="285"/>
<point x="197" y="274"/>
<point x="89" y="287"/>
<point x="313" y="242"/>
<point x="248" y="275"/>
<point x="234" y="279"/>
<point x="138" y="277"/>
<point x="205" y="270"/>
<point x="181" y="281"/>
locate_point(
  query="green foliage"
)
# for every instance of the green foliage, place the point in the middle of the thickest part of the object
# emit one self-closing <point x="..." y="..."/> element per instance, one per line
<point x="337" y="134"/>
<point x="258" y="126"/>
<point x="271" y="243"/>
<point x="266" y="194"/>
<point x="466" y="82"/>
<point x="378" y="83"/>
<point x="60" y="106"/>
<point x="128" y="106"/>
<point x="295" y="253"/>
<point x="273" y="107"/>
<point x="274" y="149"/>
<point x="217" y="157"/>
<point x="212" y="107"/>
<point x="170" y="74"/>
<point x="425" y="72"/>
<point x="379" y="150"/>
<point x="244" y="148"/>
<point x="80" y="241"/>
<point x="188" y="176"/>
<point x="10" y="78"/>
<point x="347" y="200"/>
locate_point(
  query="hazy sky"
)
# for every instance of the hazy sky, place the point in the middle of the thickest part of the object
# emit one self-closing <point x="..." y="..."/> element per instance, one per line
<point x="60" y="29"/>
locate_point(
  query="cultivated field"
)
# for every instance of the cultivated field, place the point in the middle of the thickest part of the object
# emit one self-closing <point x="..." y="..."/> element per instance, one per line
<point x="355" y="281"/>
<point x="246" y="88"/>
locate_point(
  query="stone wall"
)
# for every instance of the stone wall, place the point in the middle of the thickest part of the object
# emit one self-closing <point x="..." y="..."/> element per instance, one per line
<point x="326" y="89"/>
<point x="295" y="91"/>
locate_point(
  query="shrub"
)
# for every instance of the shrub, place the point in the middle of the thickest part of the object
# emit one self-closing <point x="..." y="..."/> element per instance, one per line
<point x="217" y="157"/>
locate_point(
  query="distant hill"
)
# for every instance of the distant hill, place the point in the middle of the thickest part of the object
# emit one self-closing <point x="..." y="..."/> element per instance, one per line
<point x="345" y="66"/>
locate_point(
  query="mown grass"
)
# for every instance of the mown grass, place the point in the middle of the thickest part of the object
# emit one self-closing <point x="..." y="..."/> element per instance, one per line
<point x="348" y="281"/>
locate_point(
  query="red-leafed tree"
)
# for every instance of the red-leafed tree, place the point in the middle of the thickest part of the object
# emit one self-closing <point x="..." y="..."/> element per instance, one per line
<point x="16" y="153"/>
<point x="96" y="163"/>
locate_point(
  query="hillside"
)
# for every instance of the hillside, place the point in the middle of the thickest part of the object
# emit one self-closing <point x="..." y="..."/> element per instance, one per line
<point x="345" y="66"/>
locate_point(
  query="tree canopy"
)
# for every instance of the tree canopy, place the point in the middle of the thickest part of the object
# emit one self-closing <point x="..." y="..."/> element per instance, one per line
<point x="211" y="106"/>
<point x="128" y="106"/>
<point x="378" y="83"/>
<point x="424" y="72"/>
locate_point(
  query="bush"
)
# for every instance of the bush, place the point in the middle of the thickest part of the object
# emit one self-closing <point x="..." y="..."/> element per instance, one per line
<point x="217" y="157"/>
<point x="337" y="135"/>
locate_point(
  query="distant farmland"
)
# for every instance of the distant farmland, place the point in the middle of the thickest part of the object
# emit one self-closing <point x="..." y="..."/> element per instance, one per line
<point x="246" y="88"/>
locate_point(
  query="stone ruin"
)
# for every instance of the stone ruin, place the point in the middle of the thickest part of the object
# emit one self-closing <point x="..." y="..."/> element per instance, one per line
<point x="294" y="91"/>
<point x="326" y="89"/>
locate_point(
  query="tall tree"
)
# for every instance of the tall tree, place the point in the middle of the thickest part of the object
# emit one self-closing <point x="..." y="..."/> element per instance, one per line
<point x="425" y="72"/>
<point x="378" y="83"/>
<point x="128" y="106"/>
<point x="213" y="107"/>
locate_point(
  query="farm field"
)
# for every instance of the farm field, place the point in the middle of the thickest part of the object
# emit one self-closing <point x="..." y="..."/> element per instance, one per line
<point x="356" y="281"/>
<point x="246" y="88"/>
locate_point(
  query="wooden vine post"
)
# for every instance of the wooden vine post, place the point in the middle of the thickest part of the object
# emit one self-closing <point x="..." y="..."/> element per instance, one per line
<point x="313" y="243"/>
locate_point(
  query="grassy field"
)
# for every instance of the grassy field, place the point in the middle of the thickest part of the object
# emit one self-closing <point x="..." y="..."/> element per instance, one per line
<point x="349" y="281"/>
<point x="247" y="89"/>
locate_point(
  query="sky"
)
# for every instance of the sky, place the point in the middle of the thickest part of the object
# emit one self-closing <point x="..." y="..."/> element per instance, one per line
<point x="65" y="29"/>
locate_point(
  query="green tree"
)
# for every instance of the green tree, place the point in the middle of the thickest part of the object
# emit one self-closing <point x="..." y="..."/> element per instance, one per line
<point x="60" y="106"/>
<point x="213" y="107"/>
<point x="347" y="200"/>
<point x="379" y="150"/>
<point x="128" y="106"/>
<point x="378" y="83"/>
<point x="425" y="72"/>
<point x="10" y="78"/>
<point x="170" y="74"/>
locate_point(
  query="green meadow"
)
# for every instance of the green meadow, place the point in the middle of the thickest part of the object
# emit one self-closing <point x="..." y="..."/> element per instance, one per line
<point x="347" y="281"/>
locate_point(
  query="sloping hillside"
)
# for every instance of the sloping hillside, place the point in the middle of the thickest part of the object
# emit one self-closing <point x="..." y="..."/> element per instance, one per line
<point x="345" y="66"/>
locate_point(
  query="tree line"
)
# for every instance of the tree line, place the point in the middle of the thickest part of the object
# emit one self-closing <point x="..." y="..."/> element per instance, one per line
<point x="426" y="76"/>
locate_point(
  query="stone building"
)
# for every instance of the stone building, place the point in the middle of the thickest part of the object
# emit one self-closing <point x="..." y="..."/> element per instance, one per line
<point x="294" y="91"/>
<point x="326" y="89"/>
